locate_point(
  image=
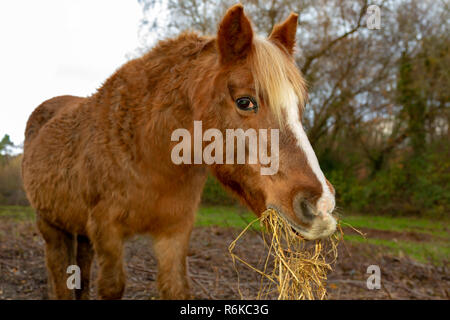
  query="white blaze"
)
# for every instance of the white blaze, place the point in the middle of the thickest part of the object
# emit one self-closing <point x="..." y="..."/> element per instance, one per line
<point x="326" y="203"/>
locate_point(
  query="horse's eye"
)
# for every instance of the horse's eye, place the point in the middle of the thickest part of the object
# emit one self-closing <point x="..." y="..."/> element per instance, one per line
<point x="247" y="104"/>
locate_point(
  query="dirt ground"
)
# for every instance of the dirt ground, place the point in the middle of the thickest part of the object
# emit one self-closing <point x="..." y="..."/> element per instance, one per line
<point x="23" y="274"/>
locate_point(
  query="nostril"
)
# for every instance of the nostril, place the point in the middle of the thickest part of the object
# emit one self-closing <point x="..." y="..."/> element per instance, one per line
<point x="306" y="210"/>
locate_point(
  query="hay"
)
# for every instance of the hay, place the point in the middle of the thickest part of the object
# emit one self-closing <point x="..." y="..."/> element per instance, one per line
<point x="296" y="269"/>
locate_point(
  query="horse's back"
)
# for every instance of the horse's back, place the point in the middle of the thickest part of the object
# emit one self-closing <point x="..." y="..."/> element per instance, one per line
<point x="47" y="110"/>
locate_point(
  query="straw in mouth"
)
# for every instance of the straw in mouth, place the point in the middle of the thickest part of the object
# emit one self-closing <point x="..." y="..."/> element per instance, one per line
<point x="294" y="268"/>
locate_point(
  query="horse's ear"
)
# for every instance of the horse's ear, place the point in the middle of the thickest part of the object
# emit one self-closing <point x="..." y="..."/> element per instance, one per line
<point x="235" y="35"/>
<point x="284" y="33"/>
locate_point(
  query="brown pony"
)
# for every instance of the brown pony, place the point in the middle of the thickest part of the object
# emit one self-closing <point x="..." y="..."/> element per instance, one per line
<point x="99" y="169"/>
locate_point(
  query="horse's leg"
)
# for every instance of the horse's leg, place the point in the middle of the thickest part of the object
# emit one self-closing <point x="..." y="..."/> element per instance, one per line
<point x="85" y="254"/>
<point x="171" y="251"/>
<point x="107" y="240"/>
<point x="59" y="254"/>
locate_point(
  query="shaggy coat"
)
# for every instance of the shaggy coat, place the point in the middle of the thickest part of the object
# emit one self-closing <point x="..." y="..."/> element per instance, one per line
<point x="98" y="170"/>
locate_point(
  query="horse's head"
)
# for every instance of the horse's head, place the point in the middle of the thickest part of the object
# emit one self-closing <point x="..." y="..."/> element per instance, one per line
<point x="257" y="85"/>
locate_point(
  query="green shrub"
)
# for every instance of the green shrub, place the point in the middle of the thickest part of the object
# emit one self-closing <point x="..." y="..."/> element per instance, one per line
<point x="11" y="187"/>
<point x="417" y="186"/>
<point x="215" y="194"/>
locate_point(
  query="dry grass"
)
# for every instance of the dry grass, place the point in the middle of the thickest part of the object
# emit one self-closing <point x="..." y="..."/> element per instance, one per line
<point x="295" y="268"/>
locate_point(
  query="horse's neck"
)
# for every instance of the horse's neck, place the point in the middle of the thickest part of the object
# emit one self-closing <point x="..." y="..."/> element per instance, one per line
<point x="140" y="106"/>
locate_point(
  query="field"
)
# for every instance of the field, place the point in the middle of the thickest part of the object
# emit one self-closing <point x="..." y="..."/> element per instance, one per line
<point x="412" y="254"/>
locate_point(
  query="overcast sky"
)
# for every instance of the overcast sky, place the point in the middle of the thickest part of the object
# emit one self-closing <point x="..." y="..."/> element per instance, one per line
<point x="55" y="47"/>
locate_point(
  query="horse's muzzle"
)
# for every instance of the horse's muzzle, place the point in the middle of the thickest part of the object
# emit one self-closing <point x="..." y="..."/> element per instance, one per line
<point x="319" y="219"/>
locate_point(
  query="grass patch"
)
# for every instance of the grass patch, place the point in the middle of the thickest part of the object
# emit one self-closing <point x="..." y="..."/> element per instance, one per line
<point x="223" y="216"/>
<point x="19" y="213"/>
<point x="400" y="224"/>
<point x="425" y="252"/>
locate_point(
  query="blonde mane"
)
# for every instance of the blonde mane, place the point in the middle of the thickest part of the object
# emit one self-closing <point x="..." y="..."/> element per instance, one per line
<point x="275" y="73"/>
